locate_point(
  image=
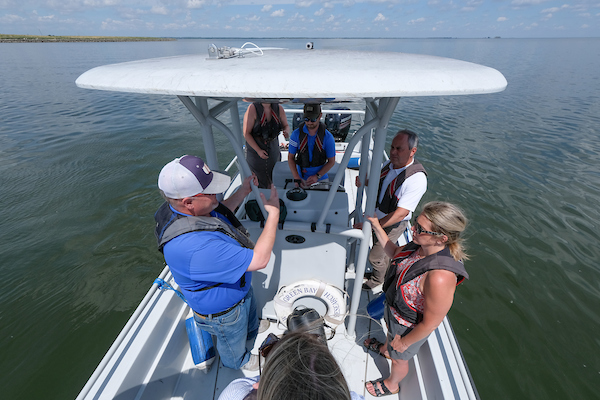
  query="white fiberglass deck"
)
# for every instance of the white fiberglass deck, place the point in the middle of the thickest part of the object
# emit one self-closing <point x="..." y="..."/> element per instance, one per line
<point x="172" y="375"/>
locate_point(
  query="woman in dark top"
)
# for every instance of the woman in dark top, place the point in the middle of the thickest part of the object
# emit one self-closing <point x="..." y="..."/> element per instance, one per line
<point x="262" y="124"/>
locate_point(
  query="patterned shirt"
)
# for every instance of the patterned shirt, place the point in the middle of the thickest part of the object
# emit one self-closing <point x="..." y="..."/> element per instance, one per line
<point x="411" y="292"/>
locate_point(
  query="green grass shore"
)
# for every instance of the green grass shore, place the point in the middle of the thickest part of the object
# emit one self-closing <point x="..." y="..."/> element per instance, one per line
<point x="53" y="39"/>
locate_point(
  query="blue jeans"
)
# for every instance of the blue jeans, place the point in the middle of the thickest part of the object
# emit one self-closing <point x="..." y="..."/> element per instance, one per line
<point x="233" y="330"/>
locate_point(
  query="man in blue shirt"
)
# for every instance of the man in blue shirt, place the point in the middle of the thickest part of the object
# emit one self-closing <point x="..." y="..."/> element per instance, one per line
<point x="211" y="255"/>
<point x="311" y="152"/>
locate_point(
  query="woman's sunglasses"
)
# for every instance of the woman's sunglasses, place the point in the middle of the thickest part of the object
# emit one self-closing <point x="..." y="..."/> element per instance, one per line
<point x="419" y="230"/>
<point x="268" y="344"/>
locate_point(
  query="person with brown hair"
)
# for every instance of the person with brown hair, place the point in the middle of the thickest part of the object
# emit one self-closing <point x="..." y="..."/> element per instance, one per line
<point x="262" y="124"/>
<point x="299" y="367"/>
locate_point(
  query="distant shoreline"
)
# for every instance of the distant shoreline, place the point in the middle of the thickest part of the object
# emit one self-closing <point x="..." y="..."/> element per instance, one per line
<point x="58" y="39"/>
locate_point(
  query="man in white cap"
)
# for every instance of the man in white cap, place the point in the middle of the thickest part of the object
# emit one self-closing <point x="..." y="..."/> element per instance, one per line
<point x="210" y="253"/>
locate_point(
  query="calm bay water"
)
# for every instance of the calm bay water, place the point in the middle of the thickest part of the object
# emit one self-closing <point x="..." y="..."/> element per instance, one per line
<point x="78" y="172"/>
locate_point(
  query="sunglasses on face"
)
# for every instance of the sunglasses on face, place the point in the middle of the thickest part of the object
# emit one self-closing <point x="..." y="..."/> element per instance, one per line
<point x="419" y="230"/>
<point x="306" y="119"/>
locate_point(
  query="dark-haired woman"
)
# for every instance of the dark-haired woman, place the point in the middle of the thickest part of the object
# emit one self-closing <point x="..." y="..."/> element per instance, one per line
<point x="300" y="367"/>
<point x="262" y="124"/>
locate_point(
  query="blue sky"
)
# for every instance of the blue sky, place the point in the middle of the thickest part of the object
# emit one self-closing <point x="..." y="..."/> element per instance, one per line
<point x="303" y="18"/>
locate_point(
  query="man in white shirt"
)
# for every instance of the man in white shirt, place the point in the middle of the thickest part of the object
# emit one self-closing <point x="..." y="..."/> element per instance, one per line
<point x="404" y="181"/>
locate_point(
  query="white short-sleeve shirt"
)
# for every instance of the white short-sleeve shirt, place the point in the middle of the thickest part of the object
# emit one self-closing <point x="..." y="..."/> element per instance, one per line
<point x="408" y="194"/>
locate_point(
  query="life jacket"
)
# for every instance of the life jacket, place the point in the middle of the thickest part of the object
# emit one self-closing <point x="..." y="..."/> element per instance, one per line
<point x="169" y="225"/>
<point x="319" y="156"/>
<point x="265" y="130"/>
<point x="393" y="283"/>
<point x="389" y="203"/>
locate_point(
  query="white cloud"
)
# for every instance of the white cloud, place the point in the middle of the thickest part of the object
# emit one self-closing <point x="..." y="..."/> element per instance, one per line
<point x="502" y="19"/>
<point x="160" y="10"/>
<point x="379" y="18"/>
<point x="416" y="21"/>
<point x="195" y="3"/>
<point x="267" y="7"/>
<point x="8" y="18"/>
<point x="253" y="18"/>
<point x="296" y="17"/>
<point x="527" y="2"/>
<point x="278" y="13"/>
<point x="554" y="9"/>
<point x="304" y="3"/>
<point x="328" y="5"/>
<point x="330" y="19"/>
<point x="585" y="26"/>
<point x="320" y="12"/>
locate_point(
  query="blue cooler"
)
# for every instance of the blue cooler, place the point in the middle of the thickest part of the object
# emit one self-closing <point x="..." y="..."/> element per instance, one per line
<point x="376" y="306"/>
<point x="201" y="345"/>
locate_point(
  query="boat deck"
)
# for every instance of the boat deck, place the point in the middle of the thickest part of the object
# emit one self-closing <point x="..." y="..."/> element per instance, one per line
<point x="357" y="364"/>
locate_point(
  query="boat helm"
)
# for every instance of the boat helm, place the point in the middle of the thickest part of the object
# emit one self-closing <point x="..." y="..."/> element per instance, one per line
<point x="296" y="194"/>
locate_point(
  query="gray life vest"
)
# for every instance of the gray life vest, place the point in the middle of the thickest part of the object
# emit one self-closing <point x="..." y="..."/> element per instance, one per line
<point x="265" y="130"/>
<point x="393" y="292"/>
<point x="169" y="225"/>
<point x="319" y="156"/>
<point x="389" y="203"/>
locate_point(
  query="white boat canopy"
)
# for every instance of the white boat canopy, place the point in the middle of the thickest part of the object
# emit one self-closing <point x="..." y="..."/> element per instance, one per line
<point x="377" y="78"/>
<point x="298" y="74"/>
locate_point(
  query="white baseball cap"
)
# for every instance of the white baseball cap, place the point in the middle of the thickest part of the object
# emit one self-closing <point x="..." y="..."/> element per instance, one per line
<point x="188" y="176"/>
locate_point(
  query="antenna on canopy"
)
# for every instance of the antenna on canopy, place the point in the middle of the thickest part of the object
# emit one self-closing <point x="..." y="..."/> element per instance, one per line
<point x="215" y="52"/>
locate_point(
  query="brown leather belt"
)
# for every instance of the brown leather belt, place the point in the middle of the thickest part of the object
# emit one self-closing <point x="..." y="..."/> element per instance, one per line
<point x="205" y="316"/>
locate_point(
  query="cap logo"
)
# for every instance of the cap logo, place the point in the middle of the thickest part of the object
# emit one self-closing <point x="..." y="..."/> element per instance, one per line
<point x="206" y="169"/>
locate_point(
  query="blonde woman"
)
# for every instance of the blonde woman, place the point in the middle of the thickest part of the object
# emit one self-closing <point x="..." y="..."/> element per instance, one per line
<point x="419" y="287"/>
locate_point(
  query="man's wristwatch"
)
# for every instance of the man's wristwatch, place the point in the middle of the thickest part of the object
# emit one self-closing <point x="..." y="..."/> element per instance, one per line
<point x="318" y="176"/>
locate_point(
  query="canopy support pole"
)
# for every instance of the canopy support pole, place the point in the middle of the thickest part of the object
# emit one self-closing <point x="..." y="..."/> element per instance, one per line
<point x="384" y="113"/>
<point x="207" y="119"/>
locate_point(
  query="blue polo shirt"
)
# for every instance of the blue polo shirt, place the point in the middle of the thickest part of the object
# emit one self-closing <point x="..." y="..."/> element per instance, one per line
<point x="328" y="145"/>
<point x="202" y="259"/>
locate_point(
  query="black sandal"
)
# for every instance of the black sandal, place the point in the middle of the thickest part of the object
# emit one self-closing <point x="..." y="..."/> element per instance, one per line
<point x="379" y="393"/>
<point x="374" y="345"/>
